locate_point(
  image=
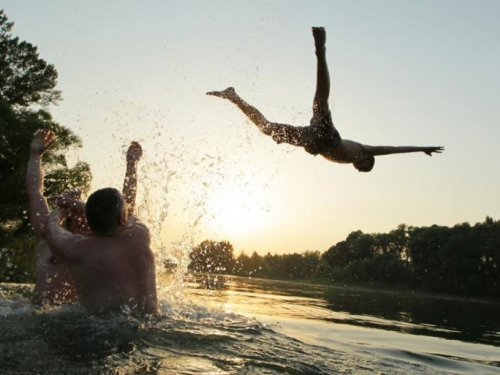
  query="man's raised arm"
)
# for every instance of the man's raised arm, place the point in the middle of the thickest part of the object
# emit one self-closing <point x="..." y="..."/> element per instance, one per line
<point x="62" y="243"/>
<point x="38" y="208"/>
<point x="129" y="192"/>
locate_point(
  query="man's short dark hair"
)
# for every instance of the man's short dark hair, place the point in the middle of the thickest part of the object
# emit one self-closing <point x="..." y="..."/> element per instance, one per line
<point x="365" y="164"/>
<point x="103" y="210"/>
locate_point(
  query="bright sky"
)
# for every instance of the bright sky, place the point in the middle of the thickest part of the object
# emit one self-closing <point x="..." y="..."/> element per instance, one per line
<point x="419" y="73"/>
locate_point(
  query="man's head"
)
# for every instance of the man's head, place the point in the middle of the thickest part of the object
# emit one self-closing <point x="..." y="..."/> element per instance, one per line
<point x="365" y="164"/>
<point x="106" y="211"/>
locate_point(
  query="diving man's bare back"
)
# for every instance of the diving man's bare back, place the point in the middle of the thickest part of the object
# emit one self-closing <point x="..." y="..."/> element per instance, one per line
<point x="320" y="137"/>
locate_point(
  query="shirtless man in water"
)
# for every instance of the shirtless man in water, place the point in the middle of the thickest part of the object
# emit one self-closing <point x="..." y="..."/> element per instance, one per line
<point x="320" y="137"/>
<point x="113" y="268"/>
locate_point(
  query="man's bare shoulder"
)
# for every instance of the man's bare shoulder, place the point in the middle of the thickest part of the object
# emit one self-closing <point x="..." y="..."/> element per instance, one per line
<point x="135" y="227"/>
<point x="71" y="248"/>
<point x="137" y="224"/>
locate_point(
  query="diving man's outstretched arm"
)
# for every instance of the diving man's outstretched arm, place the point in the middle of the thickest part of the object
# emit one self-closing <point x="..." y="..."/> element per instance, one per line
<point x="389" y="150"/>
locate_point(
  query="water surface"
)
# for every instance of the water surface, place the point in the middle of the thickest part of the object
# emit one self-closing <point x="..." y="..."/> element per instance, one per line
<point x="254" y="326"/>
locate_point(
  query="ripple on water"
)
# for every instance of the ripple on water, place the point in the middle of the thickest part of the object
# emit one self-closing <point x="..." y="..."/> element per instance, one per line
<point x="186" y="339"/>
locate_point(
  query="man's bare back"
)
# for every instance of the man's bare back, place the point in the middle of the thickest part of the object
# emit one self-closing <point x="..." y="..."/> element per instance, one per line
<point x="111" y="272"/>
<point x="113" y="266"/>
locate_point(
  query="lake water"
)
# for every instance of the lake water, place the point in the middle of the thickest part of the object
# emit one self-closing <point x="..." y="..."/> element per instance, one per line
<point x="252" y="326"/>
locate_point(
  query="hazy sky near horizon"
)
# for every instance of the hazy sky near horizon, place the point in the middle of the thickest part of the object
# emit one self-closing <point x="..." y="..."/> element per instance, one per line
<point x="403" y="73"/>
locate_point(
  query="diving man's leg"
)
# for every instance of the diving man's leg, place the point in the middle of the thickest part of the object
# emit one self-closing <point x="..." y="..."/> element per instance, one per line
<point x="280" y="133"/>
<point x="324" y="134"/>
<point x="320" y="104"/>
<point x="251" y="112"/>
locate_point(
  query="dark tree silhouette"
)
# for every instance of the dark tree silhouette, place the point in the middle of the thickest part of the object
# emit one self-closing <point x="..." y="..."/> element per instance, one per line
<point x="461" y="260"/>
<point x="25" y="78"/>
<point x="26" y="83"/>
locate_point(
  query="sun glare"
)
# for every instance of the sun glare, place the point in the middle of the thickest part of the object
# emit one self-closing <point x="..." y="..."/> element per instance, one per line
<point x="237" y="210"/>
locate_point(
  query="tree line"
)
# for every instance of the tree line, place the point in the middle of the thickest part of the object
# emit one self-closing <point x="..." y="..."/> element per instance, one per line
<point x="27" y="88"/>
<point x="461" y="260"/>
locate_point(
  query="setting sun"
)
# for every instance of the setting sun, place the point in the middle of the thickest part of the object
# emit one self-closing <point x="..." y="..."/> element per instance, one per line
<point x="237" y="209"/>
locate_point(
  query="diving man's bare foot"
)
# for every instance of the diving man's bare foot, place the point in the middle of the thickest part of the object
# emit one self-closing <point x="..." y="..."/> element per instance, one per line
<point x="226" y="94"/>
<point x="319" y="35"/>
